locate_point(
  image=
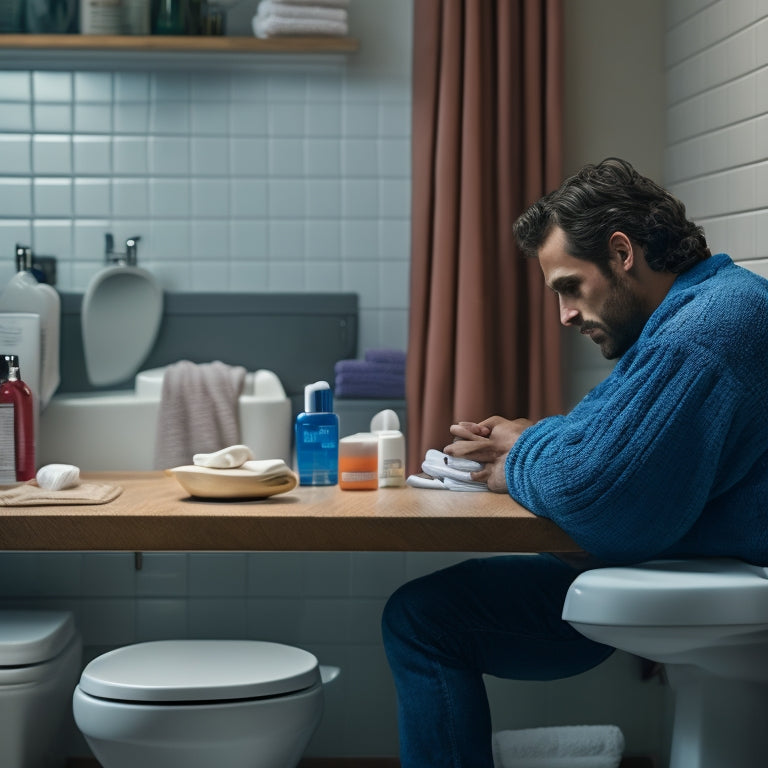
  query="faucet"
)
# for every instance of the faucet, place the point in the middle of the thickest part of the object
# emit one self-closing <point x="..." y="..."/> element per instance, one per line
<point x="23" y="258"/>
<point x="129" y="258"/>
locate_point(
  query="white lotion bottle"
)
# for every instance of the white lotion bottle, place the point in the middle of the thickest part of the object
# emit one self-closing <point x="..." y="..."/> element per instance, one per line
<point x="386" y="425"/>
<point x="24" y="294"/>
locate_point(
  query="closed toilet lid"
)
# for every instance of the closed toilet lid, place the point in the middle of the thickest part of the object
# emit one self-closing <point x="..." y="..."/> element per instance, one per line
<point x="199" y="670"/>
<point x="32" y="637"/>
<point x="671" y="593"/>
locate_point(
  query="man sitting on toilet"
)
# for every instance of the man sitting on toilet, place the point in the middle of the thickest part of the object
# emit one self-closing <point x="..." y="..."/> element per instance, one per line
<point x="666" y="457"/>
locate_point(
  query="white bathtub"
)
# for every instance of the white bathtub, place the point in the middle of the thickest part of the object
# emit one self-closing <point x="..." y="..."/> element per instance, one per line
<point x="116" y="431"/>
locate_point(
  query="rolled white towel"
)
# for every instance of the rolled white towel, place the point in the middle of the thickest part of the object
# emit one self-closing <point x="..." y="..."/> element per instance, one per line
<point x="293" y="11"/>
<point x="566" y="746"/>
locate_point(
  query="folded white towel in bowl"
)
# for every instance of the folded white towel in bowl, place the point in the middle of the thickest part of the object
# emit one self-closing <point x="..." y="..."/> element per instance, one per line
<point x="565" y="746"/>
<point x="227" y="458"/>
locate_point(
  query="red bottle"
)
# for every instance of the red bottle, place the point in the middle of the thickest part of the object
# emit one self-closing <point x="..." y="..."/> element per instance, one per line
<point x="14" y="390"/>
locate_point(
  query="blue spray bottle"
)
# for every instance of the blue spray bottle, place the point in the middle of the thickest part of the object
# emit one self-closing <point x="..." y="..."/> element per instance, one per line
<point x="317" y="437"/>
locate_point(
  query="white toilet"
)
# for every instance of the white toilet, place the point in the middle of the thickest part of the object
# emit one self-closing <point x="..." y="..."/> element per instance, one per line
<point x="707" y="621"/>
<point x="200" y="703"/>
<point x="40" y="659"/>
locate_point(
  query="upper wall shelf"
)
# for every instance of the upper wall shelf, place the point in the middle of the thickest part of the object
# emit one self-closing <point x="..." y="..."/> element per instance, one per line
<point x="186" y="43"/>
<point x="61" y="51"/>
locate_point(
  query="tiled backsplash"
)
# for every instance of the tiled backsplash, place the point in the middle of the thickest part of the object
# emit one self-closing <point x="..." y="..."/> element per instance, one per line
<point x="281" y="177"/>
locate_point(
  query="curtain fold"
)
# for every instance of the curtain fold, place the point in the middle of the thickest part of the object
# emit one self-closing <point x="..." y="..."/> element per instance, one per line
<point x="486" y="142"/>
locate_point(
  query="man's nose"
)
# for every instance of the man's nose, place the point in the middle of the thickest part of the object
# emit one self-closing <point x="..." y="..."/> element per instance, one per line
<point x="568" y="314"/>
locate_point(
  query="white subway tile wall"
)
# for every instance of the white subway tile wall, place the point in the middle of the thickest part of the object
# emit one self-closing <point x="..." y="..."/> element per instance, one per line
<point x="278" y="178"/>
<point x="717" y="122"/>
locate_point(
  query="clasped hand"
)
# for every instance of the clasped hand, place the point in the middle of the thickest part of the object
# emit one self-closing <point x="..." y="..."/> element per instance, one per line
<point x="488" y="443"/>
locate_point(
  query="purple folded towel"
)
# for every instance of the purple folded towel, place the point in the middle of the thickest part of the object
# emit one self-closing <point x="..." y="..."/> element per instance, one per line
<point x="367" y="368"/>
<point x="385" y="356"/>
<point x="379" y="385"/>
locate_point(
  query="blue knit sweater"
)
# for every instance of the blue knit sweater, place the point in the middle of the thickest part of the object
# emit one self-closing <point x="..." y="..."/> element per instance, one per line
<point x="669" y="455"/>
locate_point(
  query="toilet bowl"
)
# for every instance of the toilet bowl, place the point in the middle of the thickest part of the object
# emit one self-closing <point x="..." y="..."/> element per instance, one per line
<point x="40" y="659"/>
<point x="707" y="621"/>
<point x="199" y="703"/>
<point x="120" y="317"/>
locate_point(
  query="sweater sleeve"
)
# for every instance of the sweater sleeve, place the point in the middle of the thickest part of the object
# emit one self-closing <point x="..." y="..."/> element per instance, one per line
<point x="630" y="469"/>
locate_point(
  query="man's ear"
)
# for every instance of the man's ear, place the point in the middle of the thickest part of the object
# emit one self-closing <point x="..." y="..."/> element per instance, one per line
<point x="621" y="251"/>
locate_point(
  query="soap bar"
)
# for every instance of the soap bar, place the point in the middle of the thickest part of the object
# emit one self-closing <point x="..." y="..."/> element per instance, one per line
<point x="56" y="477"/>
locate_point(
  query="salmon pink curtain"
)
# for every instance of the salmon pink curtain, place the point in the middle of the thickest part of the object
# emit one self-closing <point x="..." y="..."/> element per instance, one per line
<point x="486" y="142"/>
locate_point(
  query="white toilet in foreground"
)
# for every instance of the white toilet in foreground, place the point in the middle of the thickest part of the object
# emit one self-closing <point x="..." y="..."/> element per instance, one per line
<point x="707" y="621"/>
<point x="40" y="659"/>
<point x="200" y="703"/>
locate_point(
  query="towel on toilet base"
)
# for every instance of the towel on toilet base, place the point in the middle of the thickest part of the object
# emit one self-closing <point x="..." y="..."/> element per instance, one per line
<point x="565" y="746"/>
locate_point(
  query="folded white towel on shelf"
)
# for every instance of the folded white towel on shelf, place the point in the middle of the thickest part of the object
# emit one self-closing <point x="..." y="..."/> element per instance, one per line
<point x="447" y="472"/>
<point x="326" y="3"/>
<point x="274" y="26"/>
<point x="566" y="746"/>
<point x="289" y="11"/>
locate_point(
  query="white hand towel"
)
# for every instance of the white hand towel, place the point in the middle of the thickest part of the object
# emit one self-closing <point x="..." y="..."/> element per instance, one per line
<point x="274" y="26"/>
<point x="568" y="746"/>
<point x="288" y="11"/>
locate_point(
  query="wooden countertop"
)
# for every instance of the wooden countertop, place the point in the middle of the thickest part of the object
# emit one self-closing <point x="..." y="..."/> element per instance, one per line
<point x="155" y="513"/>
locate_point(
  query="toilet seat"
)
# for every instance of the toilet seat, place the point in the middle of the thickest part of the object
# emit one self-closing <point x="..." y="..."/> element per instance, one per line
<point x="33" y="637"/>
<point x="717" y="591"/>
<point x="120" y="317"/>
<point x="178" y="671"/>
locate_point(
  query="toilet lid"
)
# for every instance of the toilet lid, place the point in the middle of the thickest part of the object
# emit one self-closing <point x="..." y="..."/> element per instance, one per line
<point x="120" y="317"/>
<point x="199" y="670"/>
<point x="670" y="593"/>
<point x="32" y="637"/>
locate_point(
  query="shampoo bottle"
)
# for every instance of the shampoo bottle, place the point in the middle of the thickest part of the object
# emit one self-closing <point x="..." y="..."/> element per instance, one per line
<point x="317" y="437"/>
<point x="15" y="392"/>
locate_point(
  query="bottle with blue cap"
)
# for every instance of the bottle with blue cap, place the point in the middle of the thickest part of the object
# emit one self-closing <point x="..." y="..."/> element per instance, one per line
<point x="317" y="437"/>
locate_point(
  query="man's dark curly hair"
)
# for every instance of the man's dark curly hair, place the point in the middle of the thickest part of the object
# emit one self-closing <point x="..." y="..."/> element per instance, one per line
<point x="613" y="197"/>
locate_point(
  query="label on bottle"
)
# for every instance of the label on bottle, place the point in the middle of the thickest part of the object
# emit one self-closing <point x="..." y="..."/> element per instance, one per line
<point x="7" y="445"/>
<point x="101" y="17"/>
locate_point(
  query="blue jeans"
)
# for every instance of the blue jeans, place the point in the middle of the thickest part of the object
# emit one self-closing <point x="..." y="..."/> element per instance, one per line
<point x="498" y="616"/>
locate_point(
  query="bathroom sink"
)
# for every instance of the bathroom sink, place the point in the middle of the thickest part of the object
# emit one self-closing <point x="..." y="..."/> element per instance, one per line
<point x="107" y="431"/>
